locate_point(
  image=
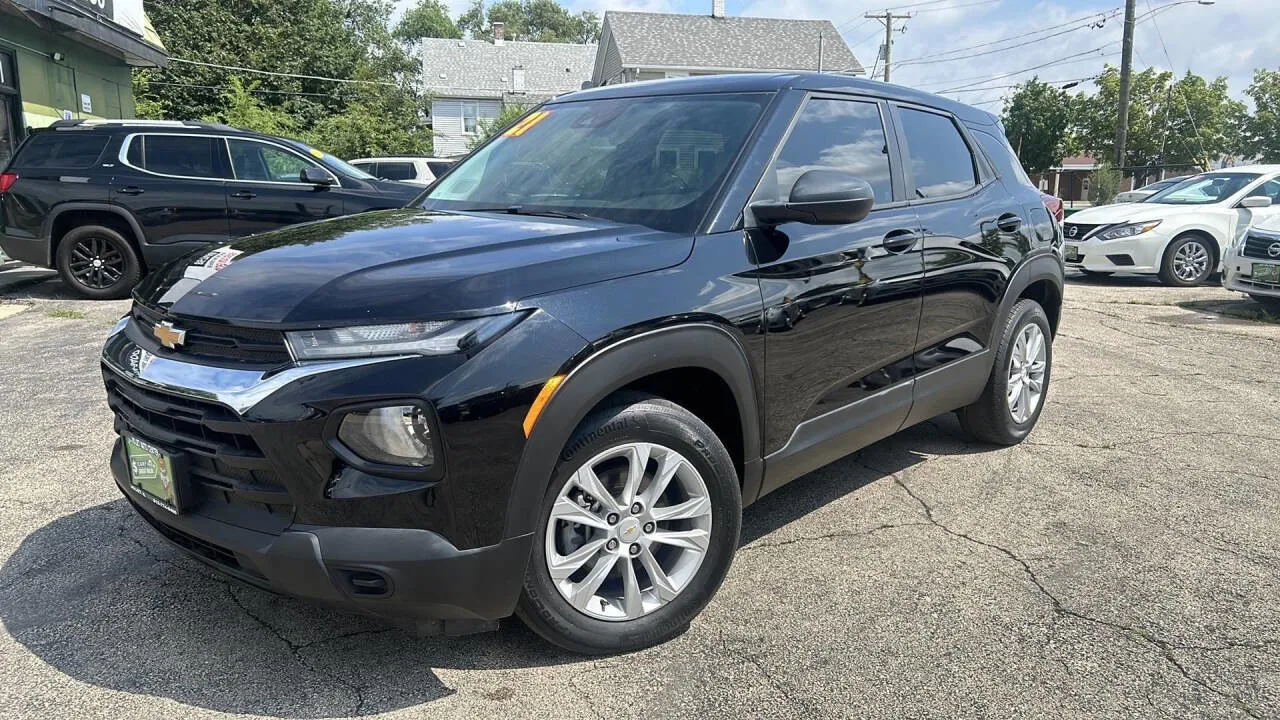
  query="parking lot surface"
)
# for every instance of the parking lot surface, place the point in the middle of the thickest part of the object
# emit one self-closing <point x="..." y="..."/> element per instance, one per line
<point x="1123" y="562"/>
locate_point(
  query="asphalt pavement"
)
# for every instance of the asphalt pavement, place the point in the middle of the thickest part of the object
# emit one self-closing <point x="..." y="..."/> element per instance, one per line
<point x="1121" y="563"/>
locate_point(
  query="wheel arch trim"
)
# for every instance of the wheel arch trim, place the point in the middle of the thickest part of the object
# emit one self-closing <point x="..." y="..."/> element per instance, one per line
<point x="700" y="345"/>
<point x="1045" y="266"/>
<point x="64" y="208"/>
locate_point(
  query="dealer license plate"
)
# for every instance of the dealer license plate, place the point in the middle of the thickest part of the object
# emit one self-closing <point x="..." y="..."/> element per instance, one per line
<point x="1266" y="273"/>
<point x="1072" y="252"/>
<point x="152" y="471"/>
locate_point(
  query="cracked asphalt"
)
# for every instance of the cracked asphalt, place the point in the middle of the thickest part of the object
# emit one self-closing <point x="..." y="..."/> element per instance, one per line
<point x="1122" y="563"/>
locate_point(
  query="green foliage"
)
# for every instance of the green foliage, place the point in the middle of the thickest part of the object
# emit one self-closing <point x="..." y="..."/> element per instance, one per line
<point x="346" y="39"/>
<point x="1035" y="121"/>
<point x="242" y="109"/>
<point x="1188" y="122"/>
<point x="1261" y="131"/>
<point x="427" y="19"/>
<point x="531" y="20"/>
<point x="1104" y="185"/>
<point x="489" y="128"/>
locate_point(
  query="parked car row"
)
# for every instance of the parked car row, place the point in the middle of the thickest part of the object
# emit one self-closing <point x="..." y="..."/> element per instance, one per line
<point x="105" y="201"/>
<point x="1184" y="233"/>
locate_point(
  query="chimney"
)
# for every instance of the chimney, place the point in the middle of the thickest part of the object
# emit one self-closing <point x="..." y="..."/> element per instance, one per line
<point x="517" y="79"/>
<point x="498" y="33"/>
<point x="717" y="8"/>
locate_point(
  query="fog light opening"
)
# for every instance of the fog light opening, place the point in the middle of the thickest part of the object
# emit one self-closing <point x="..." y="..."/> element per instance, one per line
<point x="393" y="435"/>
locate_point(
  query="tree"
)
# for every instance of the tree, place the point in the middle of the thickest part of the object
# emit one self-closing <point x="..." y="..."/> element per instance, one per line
<point x="346" y="39"/>
<point x="1261" y="131"/>
<point x="1035" y="121"/>
<point x="427" y="19"/>
<point x="530" y="20"/>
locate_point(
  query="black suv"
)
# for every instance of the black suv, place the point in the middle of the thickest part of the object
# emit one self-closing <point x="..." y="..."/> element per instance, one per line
<point x="551" y="388"/>
<point x="103" y="201"/>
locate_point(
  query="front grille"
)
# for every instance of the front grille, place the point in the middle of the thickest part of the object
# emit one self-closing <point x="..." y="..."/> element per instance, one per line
<point x="1255" y="246"/>
<point x="222" y="455"/>
<point x="1081" y="231"/>
<point x="215" y="341"/>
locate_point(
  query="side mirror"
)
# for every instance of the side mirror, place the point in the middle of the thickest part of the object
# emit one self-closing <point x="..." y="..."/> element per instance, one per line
<point x="819" y="197"/>
<point x="1256" y="201"/>
<point x="315" y="176"/>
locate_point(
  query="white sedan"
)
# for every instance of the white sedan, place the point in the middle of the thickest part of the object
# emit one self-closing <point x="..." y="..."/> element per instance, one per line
<point x="1181" y="233"/>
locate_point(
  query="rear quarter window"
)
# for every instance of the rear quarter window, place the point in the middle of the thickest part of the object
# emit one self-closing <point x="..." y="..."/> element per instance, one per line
<point x="65" y="150"/>
<point x="1001" y="155"/>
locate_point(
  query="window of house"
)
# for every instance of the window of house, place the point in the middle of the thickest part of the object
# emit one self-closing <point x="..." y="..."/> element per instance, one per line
<point x="842" y="135"/>
<point x="941" y="162"/>
<point x="183" y="155"/>
<point x="470" y="117"/>
<point x="265" y="163"/>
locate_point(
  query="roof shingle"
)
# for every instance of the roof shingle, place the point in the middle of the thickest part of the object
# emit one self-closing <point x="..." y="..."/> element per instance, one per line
<point x="724" y="43"/>
<point x="480" y="69"/>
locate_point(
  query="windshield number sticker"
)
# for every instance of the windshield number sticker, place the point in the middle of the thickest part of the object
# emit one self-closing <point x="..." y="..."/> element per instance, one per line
<point x="526" y="124"/>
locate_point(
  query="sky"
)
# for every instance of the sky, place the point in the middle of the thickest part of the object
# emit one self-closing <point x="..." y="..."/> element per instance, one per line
<point x="1228" y="38"/>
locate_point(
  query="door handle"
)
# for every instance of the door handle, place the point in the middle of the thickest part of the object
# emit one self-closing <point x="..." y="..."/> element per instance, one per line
<point x="900" y="241"/>
<point x="1009" y="222"/>
<point x="130" y="190"/>
<point x="244" y="195"/>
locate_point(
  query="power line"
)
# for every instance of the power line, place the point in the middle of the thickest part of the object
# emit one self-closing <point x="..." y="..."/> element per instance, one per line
<point x="1173" y="74"/>
<point x="280" y="74"/>
<point x="957" y="7"/>
<point x="931" y="59"/>
<point x="979" y="80"/>
<point x="887" y="19"/>
<point x="1047" y="82"/>
<point x="252" y="90"/>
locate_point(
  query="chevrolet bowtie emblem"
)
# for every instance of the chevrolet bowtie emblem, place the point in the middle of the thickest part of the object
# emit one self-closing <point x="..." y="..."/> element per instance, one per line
<point x="168" y="335"/>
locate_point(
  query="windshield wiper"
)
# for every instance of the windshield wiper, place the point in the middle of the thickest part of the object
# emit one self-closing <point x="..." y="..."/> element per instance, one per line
<point x="522" y="210"/>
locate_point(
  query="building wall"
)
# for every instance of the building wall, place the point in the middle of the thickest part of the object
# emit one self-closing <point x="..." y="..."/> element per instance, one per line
<point x="48" y="88"/>
<point x="448" y="131"/>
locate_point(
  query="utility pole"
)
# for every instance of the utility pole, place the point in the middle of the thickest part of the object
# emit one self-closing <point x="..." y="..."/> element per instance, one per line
<point x="887" y="19"/>
<point x="1126" y="70"/>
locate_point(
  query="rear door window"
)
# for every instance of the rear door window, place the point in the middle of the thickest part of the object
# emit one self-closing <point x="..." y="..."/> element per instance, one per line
<point x="191" y="156"/>
<point x="438" y="168"/>
<point x="65" y="149"/>
<point x="396" y="171"/>
<point x="940" y="161"/>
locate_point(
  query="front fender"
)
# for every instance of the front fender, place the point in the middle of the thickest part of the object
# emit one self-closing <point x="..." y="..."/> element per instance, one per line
<point x="592" y="379"/>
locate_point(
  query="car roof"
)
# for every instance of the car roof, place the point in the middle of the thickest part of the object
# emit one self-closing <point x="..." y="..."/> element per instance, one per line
<point x="168" y="126"/>
<point x="774" y="82"/>
<point x="1260" y="169"/>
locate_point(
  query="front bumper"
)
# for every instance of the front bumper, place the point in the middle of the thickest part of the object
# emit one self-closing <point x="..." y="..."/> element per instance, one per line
<point x="1141" y="254"/>
<point x="417" y="575"/>
<point x="1237" y="275"/>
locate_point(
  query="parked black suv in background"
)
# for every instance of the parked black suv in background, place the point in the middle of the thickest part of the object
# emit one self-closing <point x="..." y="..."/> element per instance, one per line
<point x="104" y="201"/>
<point x="551" y="389"/>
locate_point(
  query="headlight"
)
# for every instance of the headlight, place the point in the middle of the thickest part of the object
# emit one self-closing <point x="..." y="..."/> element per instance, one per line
<point x="1120" y="232"/>
<point x="394" y="435"/>
<point x="425" y="338"/>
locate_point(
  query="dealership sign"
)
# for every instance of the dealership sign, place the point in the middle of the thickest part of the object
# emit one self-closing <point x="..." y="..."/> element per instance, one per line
<point x="125" y="13"/>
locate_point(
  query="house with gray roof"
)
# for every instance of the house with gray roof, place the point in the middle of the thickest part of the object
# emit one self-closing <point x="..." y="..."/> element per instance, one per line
<point x="649" y="46"/>
<point x="471" y="80"/>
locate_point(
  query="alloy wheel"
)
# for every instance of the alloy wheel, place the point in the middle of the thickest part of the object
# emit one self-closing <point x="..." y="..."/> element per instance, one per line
<point x="1191" y="261"/>
<point x="628" y="531"/>
<point x="1027" y="365"/>
<point x="97" y="263"/>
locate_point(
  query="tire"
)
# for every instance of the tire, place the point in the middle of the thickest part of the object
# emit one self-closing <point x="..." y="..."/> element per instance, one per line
<point x="1185" y="254"/>
<point x="1096" y="274"/>
<point x="991" y="418"/>
<point x="604" y="622"/>
<point x="120" y="270"/>
<point x="1270" y="302"/>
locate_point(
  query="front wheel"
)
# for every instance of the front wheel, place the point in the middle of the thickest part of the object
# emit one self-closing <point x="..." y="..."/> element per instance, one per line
<point x="1188" y="261"/>
<point x="637" y="530"/>
<point x="1015" y="393"/>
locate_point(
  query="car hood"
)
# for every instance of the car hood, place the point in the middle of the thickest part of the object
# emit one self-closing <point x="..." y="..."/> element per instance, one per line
<point x="402" y="266"/>
<point x="1135" y="212"/>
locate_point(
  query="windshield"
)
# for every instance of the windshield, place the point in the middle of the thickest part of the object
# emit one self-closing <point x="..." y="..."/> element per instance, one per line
<point x="652" y="161"/>
<point x="1204" y="189"/>
<point x="333" y="163"/>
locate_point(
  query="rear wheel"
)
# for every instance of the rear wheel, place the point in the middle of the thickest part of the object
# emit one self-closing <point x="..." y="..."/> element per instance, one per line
<point x="98" y="263"/>
<point x="637" y="530"/>
<point x="1011" y="403"/>
<point x="1188" y="261"/>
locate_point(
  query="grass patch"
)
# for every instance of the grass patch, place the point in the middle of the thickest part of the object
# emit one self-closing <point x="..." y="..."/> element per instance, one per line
<point x="67" y="314"/>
